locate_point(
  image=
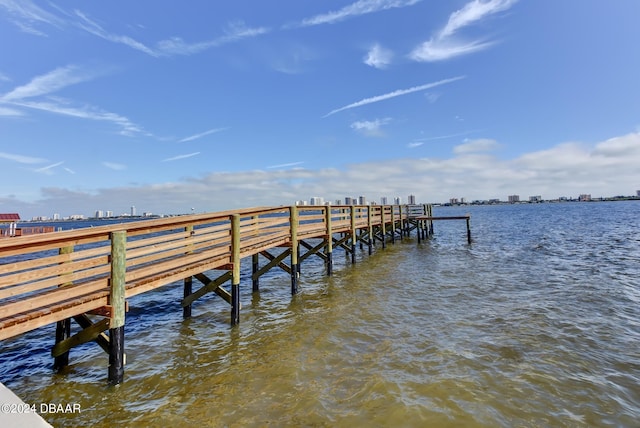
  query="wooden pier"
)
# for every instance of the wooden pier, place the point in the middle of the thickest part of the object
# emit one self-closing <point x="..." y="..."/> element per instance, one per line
<point x="87" y="275"/>
<point x="430" y="219"/>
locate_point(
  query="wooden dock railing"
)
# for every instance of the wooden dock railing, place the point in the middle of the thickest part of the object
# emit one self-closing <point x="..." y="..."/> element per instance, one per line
<point x="55" y="277"/>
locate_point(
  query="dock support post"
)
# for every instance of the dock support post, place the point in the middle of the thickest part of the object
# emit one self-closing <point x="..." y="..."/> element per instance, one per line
<point x="117" y="301"/>
<point x="188" y="281"/>
<point x="63" y="328"/>
<point x="329" y="238"/>
<point x="354" y="236"/>
<point x="295" y="270"/>
<point x="469" y="230"/>
<point x="235" y="276"/>
<point x="188" y="289"/>
<point x="370" y="230"/>
<point x="383" y="228"/>
<point x="430" y="221"/>
<point x="255" y="267"/>
<point x="63" y="331"/>
<point x="393" y="224"/>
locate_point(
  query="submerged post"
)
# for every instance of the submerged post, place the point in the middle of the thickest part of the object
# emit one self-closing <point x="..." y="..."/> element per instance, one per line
<point x="370" y="230"/>
<point x="255" y="262"/>
<point x="63" y="328"/>
<point x="354" y="237"/>
<point x="329" y="245"/>
<point x="469" y="229"/>
<point x="382" y="226"/>
<point x="117" y="284"/>
<point x="235" y="276"/>
<point x="188" y="281"/>
<point x="295" y="269"/>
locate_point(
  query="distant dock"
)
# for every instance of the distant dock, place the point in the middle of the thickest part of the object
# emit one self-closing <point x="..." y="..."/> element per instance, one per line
<point x="87" y="275"/>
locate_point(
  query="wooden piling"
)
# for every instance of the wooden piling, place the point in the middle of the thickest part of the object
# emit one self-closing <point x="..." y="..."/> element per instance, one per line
<point x="117" y="284"/>
<point x="329" y="240"/>
<point x="370" y="230"/>
<point x="295" y="273"/>
<point x="354" y="235"/>
<point x="235" y="261"/>
<point x="188" y="281"/>
<point x="255" y="267"/>
<point x="63" y="328"/>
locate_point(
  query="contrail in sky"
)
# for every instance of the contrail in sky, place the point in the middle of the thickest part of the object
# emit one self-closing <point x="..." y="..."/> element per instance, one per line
<point x="394" y="94"/>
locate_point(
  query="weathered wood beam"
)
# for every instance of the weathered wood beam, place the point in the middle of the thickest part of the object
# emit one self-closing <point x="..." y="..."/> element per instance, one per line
<point x="102" y="340"/>
<point x="209" y="286"/>
<point x="85" y="335"/>
<point x="275" y="261"/>
<point x="313" y="250"/>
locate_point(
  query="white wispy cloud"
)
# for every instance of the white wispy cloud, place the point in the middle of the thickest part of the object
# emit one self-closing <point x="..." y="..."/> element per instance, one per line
<point x="94" y="28"/>
<point x="128" y="128"/>
<point x="202" y="134"/>
<point x="26" y="16"/>
<point x="394" y="94"/>
<point x="360" y="7"/>
<point x="4" y="77"/>
<point x="378" y="57"/>
<point x="285" y="165"/>
<point x="50" y="82"/>
<point x="444" y="137"/>
<point x="21" y="158"/>
<point x="181" y="157"/>
<point x="235" y="31"/>
<point x="45" y="85"/>
<point x="49" y="168"/>
<point x="478" y="145"/>
<point x="371" y="128"/>
<point x="444" y="45"/>
<point x="9" y="112"/>
<point x="114" y="166"/>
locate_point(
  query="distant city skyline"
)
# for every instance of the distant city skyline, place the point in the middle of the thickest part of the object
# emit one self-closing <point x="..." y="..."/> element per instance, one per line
<point x="349" y="200"/>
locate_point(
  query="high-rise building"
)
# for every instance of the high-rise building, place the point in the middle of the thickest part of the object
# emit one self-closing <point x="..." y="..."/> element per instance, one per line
<point x="362" y="200"/>
<point x="133" y="210"/>
<point x="383" y="200"/>
<point x="514" y="198"/>
<point x="412" y="200"/>
<point x="98" y="214"/>
<point x="316" y="200"/>
<point x="348" y="200"/>
<point x="397" y="200"/>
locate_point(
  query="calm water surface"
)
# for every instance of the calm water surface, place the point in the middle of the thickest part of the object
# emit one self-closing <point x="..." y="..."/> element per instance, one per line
<point x="535" y="324"/>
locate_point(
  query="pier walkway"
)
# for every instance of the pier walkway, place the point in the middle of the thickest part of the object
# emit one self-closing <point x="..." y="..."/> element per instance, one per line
<point x="87" y="275"/>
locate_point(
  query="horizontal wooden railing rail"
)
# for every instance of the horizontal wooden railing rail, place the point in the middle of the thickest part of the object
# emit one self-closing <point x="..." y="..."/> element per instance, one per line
<point x="45" y="278"/>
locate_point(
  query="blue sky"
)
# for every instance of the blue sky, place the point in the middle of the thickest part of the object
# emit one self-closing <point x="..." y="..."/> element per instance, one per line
<point x="170" y="106"/>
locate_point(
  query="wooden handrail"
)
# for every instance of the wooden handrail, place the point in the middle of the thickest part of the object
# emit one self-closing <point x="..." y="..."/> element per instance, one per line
<point x="40" y="285"/>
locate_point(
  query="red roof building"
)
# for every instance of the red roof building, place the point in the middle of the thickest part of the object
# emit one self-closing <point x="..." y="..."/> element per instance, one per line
<point x="9" y="218"/>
